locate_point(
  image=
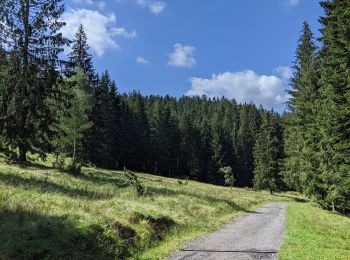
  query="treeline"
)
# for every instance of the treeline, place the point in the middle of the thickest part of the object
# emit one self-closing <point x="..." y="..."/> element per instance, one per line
<point x="317" y="132"/>
<point x="65" y="108"/>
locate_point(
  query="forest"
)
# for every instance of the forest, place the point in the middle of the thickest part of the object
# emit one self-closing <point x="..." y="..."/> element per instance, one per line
<point x="57" y="104"/>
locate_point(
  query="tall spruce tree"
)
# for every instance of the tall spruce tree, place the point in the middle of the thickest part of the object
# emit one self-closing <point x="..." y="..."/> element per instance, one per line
<point x="333" y="119"/>
<point x="101" y="141"/>
<point x="301" y="135"/>
<point x="30" y="30"/>
<point x="267" y="154"/>
<point x="74" y="120"/>
<point x="80" y="56"/>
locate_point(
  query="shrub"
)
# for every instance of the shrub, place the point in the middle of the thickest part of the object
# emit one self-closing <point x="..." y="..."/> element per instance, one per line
<point x="228" y="175"/>
<point x="133" y="181"/>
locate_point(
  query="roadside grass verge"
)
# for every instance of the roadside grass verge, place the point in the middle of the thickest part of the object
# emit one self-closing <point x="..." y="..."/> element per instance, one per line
<point x="313" y="233"/>
<point x="48" y="214"/>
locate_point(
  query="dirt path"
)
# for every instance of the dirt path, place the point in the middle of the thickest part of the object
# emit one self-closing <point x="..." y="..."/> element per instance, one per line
<point x="255" y="235"/>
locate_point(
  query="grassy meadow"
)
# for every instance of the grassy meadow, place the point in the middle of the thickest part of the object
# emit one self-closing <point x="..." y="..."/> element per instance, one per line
<point x="48" y="214"/>
<point x="313" y="233"/>
<point x="45" y="213"/>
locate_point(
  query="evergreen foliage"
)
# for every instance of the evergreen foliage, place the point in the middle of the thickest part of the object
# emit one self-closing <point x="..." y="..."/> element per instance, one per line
<point x="317" y="128"/>
<point x="82" y="115"/>
<point x="80" y="58"/>
<point x="74" y="120"/>
<point x="228" y="175"/>
<point x="267" y="154"/>
<point x="30" y="36"/>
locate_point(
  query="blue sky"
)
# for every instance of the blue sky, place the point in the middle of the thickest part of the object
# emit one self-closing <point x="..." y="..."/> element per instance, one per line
<point x="241" y="49"/>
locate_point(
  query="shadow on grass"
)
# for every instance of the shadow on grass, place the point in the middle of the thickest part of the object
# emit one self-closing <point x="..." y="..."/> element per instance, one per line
<point x="27" y="235"/>
<point x="294" y="198"/>
<point x="46" y="186"/>
<point x="210" y="199"/>
<point x="102" y="178"/>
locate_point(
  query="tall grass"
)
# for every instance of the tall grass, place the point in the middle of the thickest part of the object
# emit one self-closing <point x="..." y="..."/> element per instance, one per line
<point x="45" y="213"/>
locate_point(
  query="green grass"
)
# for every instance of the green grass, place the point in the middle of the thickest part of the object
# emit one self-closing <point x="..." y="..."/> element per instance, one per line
<point x="313" y="233"/>
<point x="47" y="214"/>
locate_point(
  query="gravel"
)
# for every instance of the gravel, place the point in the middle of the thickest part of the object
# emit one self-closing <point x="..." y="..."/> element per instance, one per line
<point x="257" y="234"/>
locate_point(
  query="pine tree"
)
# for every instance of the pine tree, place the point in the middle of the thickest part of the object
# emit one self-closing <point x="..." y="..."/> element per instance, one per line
<point x="80" y="56"/>
<point x="101" y="141"/>
<point x="165" y="137"/>
<point x="249" y="121"/>
<point x="74" y="120"/>
<point x="267" y="154"/>
<point x="301" y="129"/>
<point x="31" y="31"/>
<point x="333" y="190"/>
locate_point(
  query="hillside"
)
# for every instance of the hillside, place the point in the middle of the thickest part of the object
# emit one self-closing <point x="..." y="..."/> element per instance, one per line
<point x="50" y="214"/>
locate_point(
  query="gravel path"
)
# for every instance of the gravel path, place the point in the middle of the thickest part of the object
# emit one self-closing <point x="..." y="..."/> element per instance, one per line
<point x="255" y="235"/>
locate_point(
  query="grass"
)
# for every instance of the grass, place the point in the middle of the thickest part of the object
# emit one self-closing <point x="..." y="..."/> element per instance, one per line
<point x="48" y="214"/>
<point x="313" y="233"/>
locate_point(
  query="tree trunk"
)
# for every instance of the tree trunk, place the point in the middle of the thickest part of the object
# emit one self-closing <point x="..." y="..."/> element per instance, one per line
<point x="74" y="150"/>
<point x="333" y="207"/>
<point x="22" y="153"/>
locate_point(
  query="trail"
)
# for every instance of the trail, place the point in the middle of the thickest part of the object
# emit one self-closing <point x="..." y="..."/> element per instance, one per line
<point x="255" y="235"/>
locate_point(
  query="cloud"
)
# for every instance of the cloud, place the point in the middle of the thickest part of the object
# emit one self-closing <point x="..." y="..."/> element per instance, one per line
<point x="156" y="7"/>
<point x="87" y="2"/>
<point x="142" y="60"/>
<point x="182" y="57"/>
<point x="245" y="86"/>
<point x="122" y="32"/>
<point x="284" y="72"/>
<point x="292" y="2"/>
<point x="100" y="29"/>
<point x="101" y="5"/>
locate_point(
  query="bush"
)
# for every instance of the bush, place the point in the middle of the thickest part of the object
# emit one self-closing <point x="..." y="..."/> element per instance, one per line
<point x="132" y="180"/>
<point x="228" y="175"/>
<point x="70" y="167"/>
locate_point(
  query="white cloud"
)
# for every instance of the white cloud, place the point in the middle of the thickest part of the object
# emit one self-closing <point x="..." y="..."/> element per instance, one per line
<point x="100" y="29"/>
<point x="245" y="86"/>
<point x="88" y="2"/>
<point x="292" y="2"/>
<point x="101" y="5"/>
<point x="284" y="72"/>
<point x="142" y="60"/>
<point x="182" y="57"/>
<point x="156" y="7"/>
<point x="124" y="33"/>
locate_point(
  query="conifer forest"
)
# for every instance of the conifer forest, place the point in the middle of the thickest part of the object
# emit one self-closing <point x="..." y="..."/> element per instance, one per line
<point x="56" y="104"/>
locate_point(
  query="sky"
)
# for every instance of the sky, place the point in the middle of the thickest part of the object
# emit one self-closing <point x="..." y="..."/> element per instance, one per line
<point x="241" y="49"/>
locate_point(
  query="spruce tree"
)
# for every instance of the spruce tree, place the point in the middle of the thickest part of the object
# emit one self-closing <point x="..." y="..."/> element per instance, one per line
<point x="30" y="30"/>
<point x="333" y="190"/>
<point x="267" y="154"/>
<point x="74" y="120"/>
<point x="301" y="134"/>
<point x="100" y="139"/>
<point x="80" y="57"/>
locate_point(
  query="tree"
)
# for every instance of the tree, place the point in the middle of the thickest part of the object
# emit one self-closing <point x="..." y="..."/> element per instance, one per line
<point x="267" y="154"/>
<point x="333" y="118"/>
<point x="80" y="56"/>
<point x="301" y="132"/>
<point x="228" y="175"/>
<point x="249" y="121"/>
<point x="74" y="121"/>
<point x="30" y="30"/>
<point x="165" y="140"/>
